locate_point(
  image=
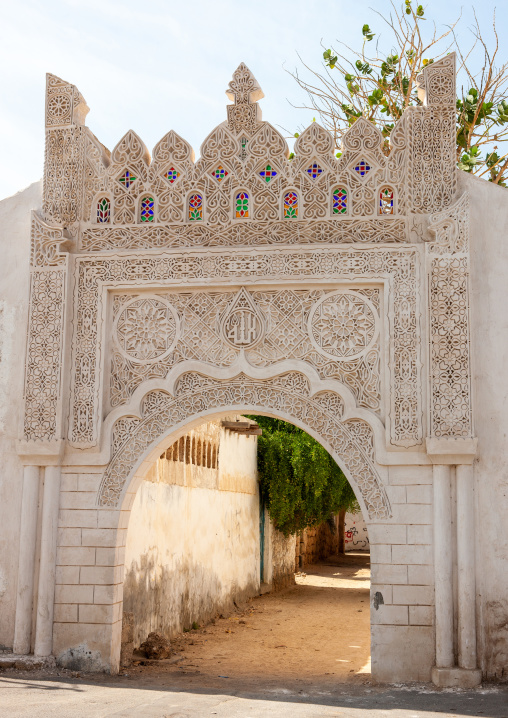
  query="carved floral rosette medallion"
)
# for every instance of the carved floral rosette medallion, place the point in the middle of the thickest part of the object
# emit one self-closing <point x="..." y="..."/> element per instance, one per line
<point x="146" y="329"/>
<point x="343" y="325"/>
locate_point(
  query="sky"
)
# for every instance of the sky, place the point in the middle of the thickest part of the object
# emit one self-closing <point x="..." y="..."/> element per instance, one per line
<point x="166" y="64"/>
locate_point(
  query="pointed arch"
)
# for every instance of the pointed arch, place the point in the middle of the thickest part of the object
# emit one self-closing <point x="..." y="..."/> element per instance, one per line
<point x="130" y="149"/>
<point x="314" y="140"/>
<point x="349" y="438"/>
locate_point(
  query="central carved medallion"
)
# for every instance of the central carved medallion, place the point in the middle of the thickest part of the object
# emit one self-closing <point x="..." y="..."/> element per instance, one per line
<point x="242" y="324"/>
<point x="343" y="325"/>
<point x="146" y="329"/>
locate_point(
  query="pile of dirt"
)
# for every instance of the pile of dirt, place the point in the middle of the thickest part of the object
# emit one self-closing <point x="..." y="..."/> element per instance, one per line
<point x="156" y="646"/>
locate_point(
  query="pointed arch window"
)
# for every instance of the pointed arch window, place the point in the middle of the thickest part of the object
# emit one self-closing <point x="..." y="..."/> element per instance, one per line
<point x="242" y="205"/>
<point x="147" y="209"/>
<point x="195" y="207"/>
<point x="386" y="200"/>
<point x="339" y="200"/>
<point x="103" y="210"/>
<point x="291" y="205"/>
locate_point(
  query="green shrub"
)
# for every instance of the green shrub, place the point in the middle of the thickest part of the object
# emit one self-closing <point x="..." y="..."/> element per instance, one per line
<point x="300" y="484"/>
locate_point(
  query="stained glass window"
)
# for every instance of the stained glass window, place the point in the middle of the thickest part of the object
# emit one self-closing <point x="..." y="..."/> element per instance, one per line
<point x="290" y="205"/>
<point x="147" y="209"/>
<point x="242" y="205"/>
<point x="220" y="173"/>
<point x="314" y="170"/>
<point x="171" y="175"/>
<point x="268" y="173"/>
<point x="195" y="208"/>
<point x="362" y="168"/>
<point x="243" y="148"/>
<point x="339" y="200"/>
<point x="103" y="210"/>
<point x="127" y="179"/>
<point x="386" y="200"/>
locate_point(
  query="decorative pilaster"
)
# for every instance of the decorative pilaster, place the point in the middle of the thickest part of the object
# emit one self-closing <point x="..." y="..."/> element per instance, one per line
<point x="43" y="368"/>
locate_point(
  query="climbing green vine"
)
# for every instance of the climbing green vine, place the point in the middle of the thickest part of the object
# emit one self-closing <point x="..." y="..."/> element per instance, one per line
<point x="300" y="483"/>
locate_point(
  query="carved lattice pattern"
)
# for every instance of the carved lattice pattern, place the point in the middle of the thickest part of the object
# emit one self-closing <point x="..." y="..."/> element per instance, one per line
<point x="286" y="395"/>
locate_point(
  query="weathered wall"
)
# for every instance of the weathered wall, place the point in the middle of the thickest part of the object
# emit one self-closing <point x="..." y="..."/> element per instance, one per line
<point x="193" y="537"/>
<point x="283" y="559"/>
<point x="14" y="295"/>
<point x="402" y="580"/>
<point x="316" y="544"/>
<point x="356" y="537"/>
<point x="489" y="340"/>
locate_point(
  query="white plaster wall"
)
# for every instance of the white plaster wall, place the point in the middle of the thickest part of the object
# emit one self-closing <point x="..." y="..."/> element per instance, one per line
<point x="489" y="342"/>
<point x="356" y="537"/>
<point x="14" y="296"/>
<point x="193" y="540"/>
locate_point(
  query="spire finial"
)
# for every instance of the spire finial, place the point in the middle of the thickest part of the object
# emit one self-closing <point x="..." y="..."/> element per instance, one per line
<point x="245" y="114"/>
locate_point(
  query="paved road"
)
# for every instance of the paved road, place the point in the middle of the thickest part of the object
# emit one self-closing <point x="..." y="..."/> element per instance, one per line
<point x="26" y="697"/>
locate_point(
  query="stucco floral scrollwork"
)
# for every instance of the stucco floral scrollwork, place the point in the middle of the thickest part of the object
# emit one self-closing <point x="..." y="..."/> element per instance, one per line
<point x="46" y="244"/>
<point x="286" y="315"/>
<point x="286" y="395"/>
<point x="44" y="354"/>
<point x="450" y="372"/>
<point x="378" y="231"/>
<point x="269" y="327"/>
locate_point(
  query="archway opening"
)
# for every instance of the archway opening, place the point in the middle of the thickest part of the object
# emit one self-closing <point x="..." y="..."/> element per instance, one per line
<point x="207" y="569"/>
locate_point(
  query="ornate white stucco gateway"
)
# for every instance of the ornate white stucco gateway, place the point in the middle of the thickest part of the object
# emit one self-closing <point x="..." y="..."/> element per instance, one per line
<point x="328" y="290"/>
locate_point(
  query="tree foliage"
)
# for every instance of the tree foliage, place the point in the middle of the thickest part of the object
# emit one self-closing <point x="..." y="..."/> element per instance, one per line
<point x="300" y="483"/>
<point x="380" y="83"/>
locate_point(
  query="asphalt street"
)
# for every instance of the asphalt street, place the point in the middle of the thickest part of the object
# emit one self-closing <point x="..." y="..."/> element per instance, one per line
<point x="26" y="697"/>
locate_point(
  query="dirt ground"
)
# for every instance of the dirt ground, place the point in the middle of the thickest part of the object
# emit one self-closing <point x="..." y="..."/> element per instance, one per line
<point x="301" y="653"/>
<point x="316" y="630"/>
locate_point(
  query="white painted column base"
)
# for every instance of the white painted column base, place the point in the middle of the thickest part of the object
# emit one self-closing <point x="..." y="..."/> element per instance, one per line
<point x="456" y="677"/>
<point x="26" y="565"/>
<point x="47" y="566"/>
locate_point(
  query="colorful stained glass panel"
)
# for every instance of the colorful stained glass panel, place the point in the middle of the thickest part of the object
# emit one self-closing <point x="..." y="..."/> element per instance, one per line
<point x="314" y="170"/>
<point x="339" y="201"/>
<point x="171" y="175"/>
<point x="103" y="210"/>
<point x="268" y="173"/>
<point x="195" y="208"/>
<point x="127" y="179"/>
<point x="147" y="209"/>
<point x="386" y="200"/>
<point x="242" y="205"/>
<point x="290" y="205"/>
<point x="362" y="168"/>
<point x="220" y="173"/>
